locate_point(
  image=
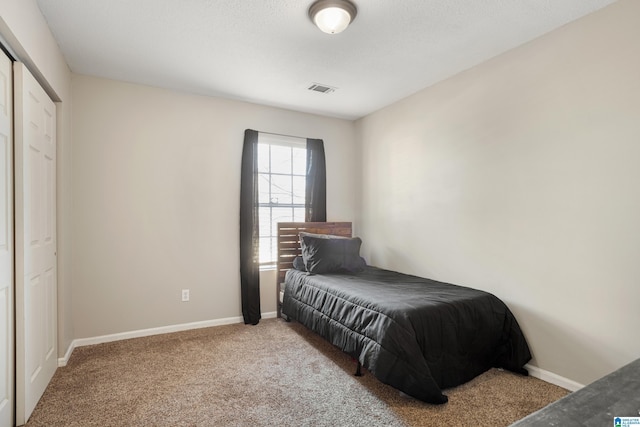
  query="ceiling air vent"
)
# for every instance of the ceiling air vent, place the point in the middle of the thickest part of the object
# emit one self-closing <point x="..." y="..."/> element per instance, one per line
<point x="317" y="87"/>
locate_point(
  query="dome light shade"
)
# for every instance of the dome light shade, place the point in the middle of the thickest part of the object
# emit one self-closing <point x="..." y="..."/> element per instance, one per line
<point x="332" y="16"/>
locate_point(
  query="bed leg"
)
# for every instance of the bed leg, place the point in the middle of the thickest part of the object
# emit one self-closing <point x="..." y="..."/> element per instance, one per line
<point x="358" y="370"/>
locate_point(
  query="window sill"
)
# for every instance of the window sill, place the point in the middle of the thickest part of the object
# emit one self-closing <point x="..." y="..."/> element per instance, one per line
<point x="268" y="267"/>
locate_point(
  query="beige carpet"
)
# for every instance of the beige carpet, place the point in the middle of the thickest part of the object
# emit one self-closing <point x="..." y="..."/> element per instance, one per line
<point x="272" y="374"/>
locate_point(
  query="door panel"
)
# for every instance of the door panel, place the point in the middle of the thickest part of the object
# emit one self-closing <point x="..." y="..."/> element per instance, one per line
<point x="6" y="244"/>
<point x="35" y="240"/>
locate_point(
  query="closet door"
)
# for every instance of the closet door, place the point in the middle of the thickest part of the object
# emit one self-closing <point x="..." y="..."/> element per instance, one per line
<point x="35" y="241"/>
<point x="6" y="244"/>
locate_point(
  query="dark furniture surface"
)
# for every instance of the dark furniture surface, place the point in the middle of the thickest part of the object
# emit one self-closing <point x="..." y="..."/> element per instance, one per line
<point x="596" y="405"/>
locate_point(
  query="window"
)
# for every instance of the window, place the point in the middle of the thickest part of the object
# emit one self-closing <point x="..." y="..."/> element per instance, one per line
<point x="282" y="164"/>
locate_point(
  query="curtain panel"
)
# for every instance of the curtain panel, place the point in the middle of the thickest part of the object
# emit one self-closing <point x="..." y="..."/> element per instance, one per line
<point x="316" y="183"/>
<point x="249" y="230"/>
<point x="315" y="211"/>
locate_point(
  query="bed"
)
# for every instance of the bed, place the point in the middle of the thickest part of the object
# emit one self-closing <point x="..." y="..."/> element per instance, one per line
<point x="418" y="335"/>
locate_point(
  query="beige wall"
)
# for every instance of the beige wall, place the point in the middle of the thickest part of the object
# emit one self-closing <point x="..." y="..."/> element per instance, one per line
<point x="156" y="201"/>
<point x="25" y="30"/>
<point x="520" y="177"/>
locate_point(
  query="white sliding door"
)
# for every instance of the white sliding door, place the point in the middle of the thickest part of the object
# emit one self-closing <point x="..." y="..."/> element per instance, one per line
<point x="35" y="240"/>
<point x="6" y="244"/>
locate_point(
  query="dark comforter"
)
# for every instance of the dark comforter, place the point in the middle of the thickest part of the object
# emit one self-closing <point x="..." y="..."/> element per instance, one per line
<point x="415" y="334"/>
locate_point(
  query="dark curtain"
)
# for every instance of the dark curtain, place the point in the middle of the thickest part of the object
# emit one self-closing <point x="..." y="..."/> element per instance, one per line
<point x="316" y="190"/>
<point x="249" y="241"/>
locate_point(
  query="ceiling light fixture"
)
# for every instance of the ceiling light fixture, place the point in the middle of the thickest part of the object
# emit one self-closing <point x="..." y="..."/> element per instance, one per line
<point x="332" y="16"/>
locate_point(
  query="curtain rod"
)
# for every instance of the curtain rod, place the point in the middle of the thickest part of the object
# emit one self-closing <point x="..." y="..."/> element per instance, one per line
<point x="287" y="136"/>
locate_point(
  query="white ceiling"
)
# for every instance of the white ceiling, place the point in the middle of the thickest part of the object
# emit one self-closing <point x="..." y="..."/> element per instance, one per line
<point x="269" y="52"/>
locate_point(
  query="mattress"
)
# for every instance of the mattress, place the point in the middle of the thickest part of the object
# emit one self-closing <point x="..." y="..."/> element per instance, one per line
<point x="418" y="335"/>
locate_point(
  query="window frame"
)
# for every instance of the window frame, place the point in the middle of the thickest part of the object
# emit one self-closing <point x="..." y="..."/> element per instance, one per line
<point x="283" y="141"/>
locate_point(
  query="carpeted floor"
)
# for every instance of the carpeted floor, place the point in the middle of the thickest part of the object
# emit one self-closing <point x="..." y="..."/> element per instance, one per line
<point x="275" y="373"/>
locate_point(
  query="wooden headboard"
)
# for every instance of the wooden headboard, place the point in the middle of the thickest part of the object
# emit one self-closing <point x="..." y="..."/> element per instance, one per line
<point x="289" y="244"/>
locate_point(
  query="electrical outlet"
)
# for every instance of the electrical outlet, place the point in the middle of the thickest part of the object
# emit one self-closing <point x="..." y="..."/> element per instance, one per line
<point x="185" y="295"/>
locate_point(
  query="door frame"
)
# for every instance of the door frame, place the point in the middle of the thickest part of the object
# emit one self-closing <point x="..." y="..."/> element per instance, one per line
<point x="7" y="249"/>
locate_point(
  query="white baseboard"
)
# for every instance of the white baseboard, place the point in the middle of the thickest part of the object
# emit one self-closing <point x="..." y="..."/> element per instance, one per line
<point x="552" y="378"/>
<point x="62" y="361"/>
<point x="80" y="342"/>
<point x="534" y="371"/>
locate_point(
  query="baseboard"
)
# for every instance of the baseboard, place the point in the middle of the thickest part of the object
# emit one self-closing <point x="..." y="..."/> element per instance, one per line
<point x="534" y="371"/>
<point x="552" y="378"/>
<point x="80" y="342"/>
<point x="62" y="361"/>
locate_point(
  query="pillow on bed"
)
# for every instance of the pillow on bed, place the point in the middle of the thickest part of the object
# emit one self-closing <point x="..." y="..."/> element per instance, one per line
<point x="298" y="264"/>
<point x="324" y="253"/>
